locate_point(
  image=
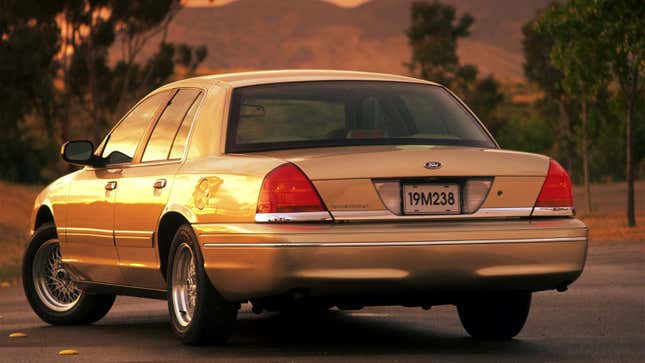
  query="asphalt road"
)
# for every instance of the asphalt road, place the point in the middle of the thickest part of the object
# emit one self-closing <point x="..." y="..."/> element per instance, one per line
<point x="600" y="319"/>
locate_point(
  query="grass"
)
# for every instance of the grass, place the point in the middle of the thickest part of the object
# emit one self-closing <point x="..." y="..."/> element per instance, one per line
<point x="16" y="202"/>
<point x="613" y="227"/>
<point x="610" y="225"/>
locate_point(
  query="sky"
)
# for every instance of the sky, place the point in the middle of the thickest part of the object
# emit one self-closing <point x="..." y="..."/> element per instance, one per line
<point x="347" y="3"/>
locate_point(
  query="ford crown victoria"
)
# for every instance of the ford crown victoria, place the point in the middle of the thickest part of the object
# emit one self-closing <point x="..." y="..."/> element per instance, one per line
<point x="302" y="191"/>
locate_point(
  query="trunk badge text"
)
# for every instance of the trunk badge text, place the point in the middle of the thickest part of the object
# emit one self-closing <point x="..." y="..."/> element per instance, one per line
<point x="432" y="165"/>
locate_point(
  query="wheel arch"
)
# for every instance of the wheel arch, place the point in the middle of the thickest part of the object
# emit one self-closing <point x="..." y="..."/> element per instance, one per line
<point x="168" y="225"/>
<point x="42" y="216"/>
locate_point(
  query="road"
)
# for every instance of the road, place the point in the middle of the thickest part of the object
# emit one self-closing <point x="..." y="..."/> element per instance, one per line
<point x="600" y="319"/>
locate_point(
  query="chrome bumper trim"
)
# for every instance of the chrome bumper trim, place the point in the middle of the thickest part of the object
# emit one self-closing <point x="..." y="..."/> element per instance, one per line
<point x="392" y="244"/>
<point x="387" y="215"/>
<point x="553" y="211"/>
<point x="293" y="217"/>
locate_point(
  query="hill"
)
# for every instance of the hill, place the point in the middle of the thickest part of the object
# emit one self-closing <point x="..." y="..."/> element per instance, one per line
<point x="263" y="34"/>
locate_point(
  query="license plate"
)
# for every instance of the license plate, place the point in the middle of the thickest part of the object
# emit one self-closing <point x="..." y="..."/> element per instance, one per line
<point x="431" y="199"/>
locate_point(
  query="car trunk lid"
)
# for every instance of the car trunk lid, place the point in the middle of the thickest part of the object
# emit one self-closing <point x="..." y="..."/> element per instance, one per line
<point x="364" y="182"/>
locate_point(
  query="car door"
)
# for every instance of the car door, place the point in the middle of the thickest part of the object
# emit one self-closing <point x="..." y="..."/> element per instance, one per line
<point x="89" y="247"/>
<point x="144" y="189"/>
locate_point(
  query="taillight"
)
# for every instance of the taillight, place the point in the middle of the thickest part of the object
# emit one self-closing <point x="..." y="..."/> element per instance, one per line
<point x="287" y="190"/>
<point x="556" y="197"/>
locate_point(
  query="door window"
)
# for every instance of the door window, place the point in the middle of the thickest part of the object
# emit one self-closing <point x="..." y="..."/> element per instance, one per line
<point x="170" y="125"/>
<point x="122" y="142"/>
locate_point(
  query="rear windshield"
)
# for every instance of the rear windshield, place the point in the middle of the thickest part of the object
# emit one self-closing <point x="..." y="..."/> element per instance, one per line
<point x="348" y="113"/>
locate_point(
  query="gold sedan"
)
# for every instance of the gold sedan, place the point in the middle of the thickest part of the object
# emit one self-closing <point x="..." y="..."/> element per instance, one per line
<point x="302" y="190"/>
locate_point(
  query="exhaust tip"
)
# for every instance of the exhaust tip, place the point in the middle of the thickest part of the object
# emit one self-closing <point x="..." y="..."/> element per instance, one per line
<point x="563" y="287"/>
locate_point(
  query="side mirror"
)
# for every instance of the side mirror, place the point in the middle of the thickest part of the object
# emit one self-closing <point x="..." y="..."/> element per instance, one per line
<point x="79" y="152"/>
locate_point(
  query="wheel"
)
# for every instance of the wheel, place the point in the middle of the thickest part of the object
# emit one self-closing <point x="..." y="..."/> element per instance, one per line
<point x="53" y="296"/>
<point x="495" y="317"/>
<point x="198" y="314"/>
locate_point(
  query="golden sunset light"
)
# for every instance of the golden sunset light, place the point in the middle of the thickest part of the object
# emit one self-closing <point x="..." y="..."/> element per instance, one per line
<point x="197" y="3"/>
<point x="322" y="180"/>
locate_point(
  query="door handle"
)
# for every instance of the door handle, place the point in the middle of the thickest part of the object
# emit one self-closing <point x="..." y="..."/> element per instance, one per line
<point x="111" y="185"/>
<point x="159" y="184"/>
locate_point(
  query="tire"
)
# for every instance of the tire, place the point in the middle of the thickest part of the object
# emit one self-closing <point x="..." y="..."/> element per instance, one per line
<point x="495" y="317"/>
<point x="49" y="289"/>
<point x="199" y="315"/>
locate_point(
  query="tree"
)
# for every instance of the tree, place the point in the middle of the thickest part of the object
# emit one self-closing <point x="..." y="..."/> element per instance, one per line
<point x="91" y="28"/>
<point x="29" y="42"/>
<point x="106" y="89"/>
<point x="580" y="57"/>
<point x="622" y="33"/>
<point x="137" y="22"/>
<point x="433" y="36"/>
<point x="190" y="58"/>
<point x="596" y="42"/>
<point x="484" y="97"/>
<point x="540" y="70"/>
<point x="55" y="66"/>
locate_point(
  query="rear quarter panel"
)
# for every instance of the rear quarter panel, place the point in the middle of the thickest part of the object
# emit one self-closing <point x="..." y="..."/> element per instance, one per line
<point x="220" y="189"/>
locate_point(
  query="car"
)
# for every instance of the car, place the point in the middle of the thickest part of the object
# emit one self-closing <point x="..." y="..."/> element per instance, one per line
<point x="297" y="192"/>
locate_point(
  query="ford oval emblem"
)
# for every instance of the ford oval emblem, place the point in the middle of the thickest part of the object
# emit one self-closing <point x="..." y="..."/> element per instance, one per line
<point x="432" y="165"/>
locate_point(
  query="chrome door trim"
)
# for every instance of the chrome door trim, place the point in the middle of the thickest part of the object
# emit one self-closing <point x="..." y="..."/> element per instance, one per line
<point x="133" y="234"/>
<point x="394" y="244"/>
<point x="104" y="232"/>
<point x="93" y="232"/>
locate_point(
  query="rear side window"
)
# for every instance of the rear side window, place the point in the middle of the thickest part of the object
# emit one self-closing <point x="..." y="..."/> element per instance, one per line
<point x="124" y="139"/>
<point x="179" y="144"/>
<point x="348" y="113"/>
<point x="169" y="124"/>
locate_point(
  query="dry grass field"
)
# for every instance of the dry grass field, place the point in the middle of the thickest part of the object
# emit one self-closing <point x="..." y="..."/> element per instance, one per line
<point x="607" y="223"/>
<point x="16" y="202"/>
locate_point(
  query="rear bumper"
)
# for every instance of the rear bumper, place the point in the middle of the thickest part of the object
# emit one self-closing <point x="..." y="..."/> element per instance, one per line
<point x="245" y="261"/>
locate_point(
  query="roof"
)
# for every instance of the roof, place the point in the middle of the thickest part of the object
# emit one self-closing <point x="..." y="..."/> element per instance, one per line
<point x="281" y="76"/>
